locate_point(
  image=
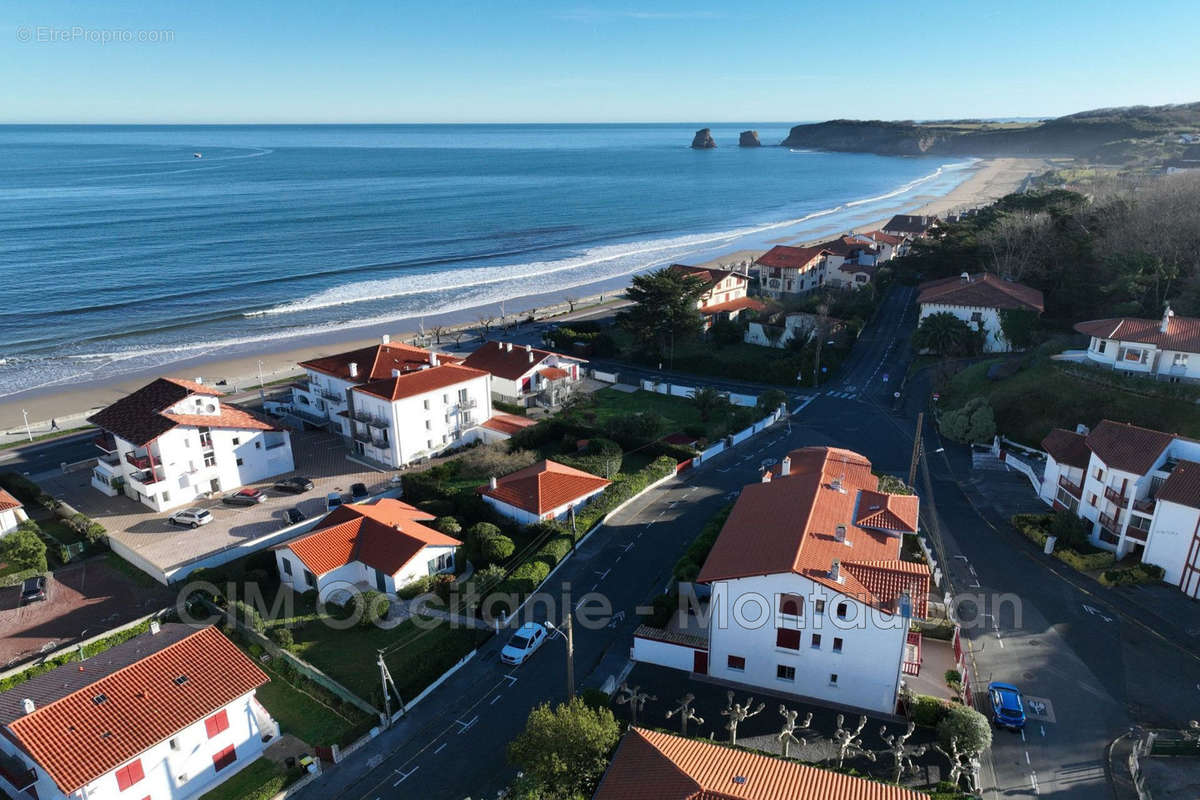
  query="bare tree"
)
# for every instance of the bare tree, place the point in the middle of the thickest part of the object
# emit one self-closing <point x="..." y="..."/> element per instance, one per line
<point x="902" y="756"/>
<point x="458" y="334"/>
<point x="738" y="714"/>
<point x="635" y="698"/>
<point x="787" y="736"/>
<point x="1015" y="242"/>
<point x="571" y="300"/>
<point x="437" y="331"/>
<point x="685" y="712"/>
<point x="486" y="321"/>
<point x="849" y="742"/>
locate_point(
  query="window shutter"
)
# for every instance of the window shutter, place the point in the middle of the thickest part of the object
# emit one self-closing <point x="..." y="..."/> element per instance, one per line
<point x="788" y="638"/>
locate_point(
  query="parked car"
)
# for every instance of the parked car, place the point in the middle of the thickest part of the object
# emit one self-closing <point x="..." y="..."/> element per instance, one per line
<point x="296" y="485"/>
<point x="524" y="643"/>
<point x="358" y="491"/>
<point x="33" y="589"/>
<point x="245" y="497"/>
<point x="192" y="517"/>
<point x="292" y="516"/>
<point x="1008" y="707"/>
<point x="333" y="500"/>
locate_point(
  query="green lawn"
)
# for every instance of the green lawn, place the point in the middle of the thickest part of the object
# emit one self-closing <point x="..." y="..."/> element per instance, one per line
<point x="1044" y="396"/>
<point x="305" y="717"/>
<point x="678" y="411"/>
<point x="60" y="531"/>
<point x="259" y="781"/>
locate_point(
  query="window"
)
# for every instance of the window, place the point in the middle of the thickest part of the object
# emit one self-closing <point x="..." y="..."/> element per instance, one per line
<point x="833" y="679"/>
<point x="1100" y="345"/>
<point x="257" y="445"/>
<point x="1099" y="473"/>
<point x="737" y="662"/>
<point x="837" y="644"/>
<point x="841" y="610"/>
<point x="445" y="399"/>
<point x="166" y="497"/>
<point x="216" y="723"/>
<point x="129" y="774"/>
<point x="429" y="444"/>
<point x="1092" y="499"/>
<point x="287" y="566"/>
<point x="210" y="460"/>
<point x="819" y="606"/>
<point x="785" y="673"/>
<point x="977" y="316"/>
<point x="787" y="638"/>
<point x="224" y="758"/>
<point x="1180" y="359"/>
<point x="1133" y="355"/>
<point x="427" y="404"/>
<point x="309" y="579"/>
<point x="428" y="424"/>
<point x="1065" y="498"/>
<point x="816" y="641"/>
<point x="239" y="462"/>
<point x="236" y="441"/>
<point x="791" y="605"/>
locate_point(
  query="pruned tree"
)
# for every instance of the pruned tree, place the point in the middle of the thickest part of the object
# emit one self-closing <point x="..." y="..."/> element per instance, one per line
<point x="635" y="698"/>
<point x="849" y="742"/>
<point x="686" y="713"/>
<point x="486" y="321"/>
<point x="787" y="736"/>
<point x="438" y="331"/>
<point x="738" y="713"/>
<point x="571" y="300"/>
<point x="901" y="754"/>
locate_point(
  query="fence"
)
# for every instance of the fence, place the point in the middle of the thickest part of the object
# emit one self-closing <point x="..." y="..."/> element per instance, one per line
<point x="607" y="377"/>
<point x="675" y="390"/>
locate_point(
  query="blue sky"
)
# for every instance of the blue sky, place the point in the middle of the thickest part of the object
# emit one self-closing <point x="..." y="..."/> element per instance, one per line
<point x="652" y="60"/>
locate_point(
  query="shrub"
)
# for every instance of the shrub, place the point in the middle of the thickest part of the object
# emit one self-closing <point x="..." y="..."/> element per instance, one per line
<point x="632" y="430"/>
<point x="968" y="727"/>
<point x="595" y="698"/>
<point x="1072" y="531"/>
<point x="526" y="577"/>
<point x="26" y="490"/>
<point x="24" y="548"/>
<point x="497" y="548"/>
<point x="448" y="525"/>
<point x="1084" y="563"/>
<point x="974" y="422"/>
<point x="373" y="605"/>
<point x="490" y="460"/>
<point x="248" y="616"/>
<point x="663" y="605"/>
<point x="601" y="457"/>
<point x="283" y="637"/>
<point x="1032" y="526"/>
<point x="1142" y="573"/>
<point x="926" y="711"/>
<point x="415" y="587"/>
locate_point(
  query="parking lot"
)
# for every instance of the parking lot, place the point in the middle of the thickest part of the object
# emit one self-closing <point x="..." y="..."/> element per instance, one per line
<point x="164" y="547"/>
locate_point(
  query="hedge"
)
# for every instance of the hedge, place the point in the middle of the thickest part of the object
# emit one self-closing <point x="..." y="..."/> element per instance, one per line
<point x="689" y="564"/>
<point x="927" y="711"/>
<point x="1085" y="563"/>
<point x="1142" y="573"/>
<point x="1032" y="526"/>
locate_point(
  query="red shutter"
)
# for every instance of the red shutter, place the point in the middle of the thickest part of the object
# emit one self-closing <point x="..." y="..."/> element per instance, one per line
<point x="216" y="723"/>
<point x="129" y="774"/>
<point x="786" y="637"/>
<point x="224" y="758"/>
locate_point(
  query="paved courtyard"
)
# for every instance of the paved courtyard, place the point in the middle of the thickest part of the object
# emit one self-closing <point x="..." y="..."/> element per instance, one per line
<point x="319" y="456"/>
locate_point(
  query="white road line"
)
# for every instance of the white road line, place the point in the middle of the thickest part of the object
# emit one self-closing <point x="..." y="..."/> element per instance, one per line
<point x="511" y="678"/>
<point x="1033" y="780"/>
<point x="440" y="748"/>
<point x="497" y="698"/>
<point x="1027" y="761"/>
<point x="404" y="775"/>
<point x="1043" y="729"/>
<point x="604" y="574"/>
<point x="628" y="547"/>
<point x="1023" y="739"/>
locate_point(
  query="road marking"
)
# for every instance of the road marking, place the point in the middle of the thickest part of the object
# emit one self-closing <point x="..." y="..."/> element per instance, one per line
<point x="441" y="747"/>
<point x="604" y="574"/>
<point x="1033" y="780"/>
<point x="494" y="700"/>
<point x="1023" y="739"/>
<point x="1043" y="729"/>
<point x="404" y="775"/>
<point x="464" y="726"/>
<point x="1027" y="761"/>
<point x="628" y="547"/>
<point x="511" y="678"/>
<point x="1096" y="612"/>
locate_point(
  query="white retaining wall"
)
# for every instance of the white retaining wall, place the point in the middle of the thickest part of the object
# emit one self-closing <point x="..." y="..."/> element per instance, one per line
<point x="665" y="654"/>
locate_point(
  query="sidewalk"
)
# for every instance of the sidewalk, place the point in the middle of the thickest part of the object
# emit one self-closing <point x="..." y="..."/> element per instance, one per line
<point x="39" y="428"/>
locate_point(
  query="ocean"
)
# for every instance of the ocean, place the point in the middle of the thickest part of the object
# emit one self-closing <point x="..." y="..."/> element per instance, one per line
<point x="123" y="250"/>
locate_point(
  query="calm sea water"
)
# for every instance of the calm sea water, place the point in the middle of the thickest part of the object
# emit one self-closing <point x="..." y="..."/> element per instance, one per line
<point x="120" y="249"/>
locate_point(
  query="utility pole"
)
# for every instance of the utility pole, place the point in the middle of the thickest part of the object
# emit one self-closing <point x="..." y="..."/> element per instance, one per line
<point x="916" y="453"/>
<point x="385" y="678"/>
<point x="262" y="389"/>
<point x="570" y="658"/>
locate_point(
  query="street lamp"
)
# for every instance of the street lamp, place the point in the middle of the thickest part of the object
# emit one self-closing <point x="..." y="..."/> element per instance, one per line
<point x="569" y="638"/>
<point x="28" y="432"/>
<point x="261" y="386"/>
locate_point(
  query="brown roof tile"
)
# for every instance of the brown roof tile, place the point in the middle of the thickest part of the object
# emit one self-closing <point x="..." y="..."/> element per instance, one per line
<point x="983" y="290"/>
<point x="786" y="257"/>
<point x="496" y="358"/>
<point x="1183" y="333"/>
<point x="910" y="224"/>
<point x="141" y="417"/>
<point x="7" y="501"/>
<point x="1067" y="447"/>
<point x="711" y="277"/>
<point x="376" y="362"/>
<point x="1127" y="447"/>
<point x="544" y="486"/>
<point x="1183" y="485"/>
<point x="419" y="382"/>
<point x="508" y="423"/>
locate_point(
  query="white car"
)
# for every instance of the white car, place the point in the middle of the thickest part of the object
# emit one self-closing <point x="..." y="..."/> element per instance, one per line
<point x="191" y="517"/>
<point x="524" y="643"/>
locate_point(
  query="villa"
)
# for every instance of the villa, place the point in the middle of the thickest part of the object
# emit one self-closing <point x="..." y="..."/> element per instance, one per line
<point x="980" y="300"/>
<point x="173" y="441"/>
<point x="1166" y="349"/>
<point x="527" y="376"/>
<point x="910" y="226"/>
<point x="725" y="293"/>
<point x="169" y="714"/>
<point x="785" y="270"/>
<point x="547" y="490"/>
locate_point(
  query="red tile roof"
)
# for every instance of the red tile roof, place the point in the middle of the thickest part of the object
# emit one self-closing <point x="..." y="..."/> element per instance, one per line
<point x="982" y="290"/>
<point x="77" y="740"/>
<point x="1067" y="447"/>
<point x="650" y="765"/>
<point x="496" y="358"/>
<point x="416" y="383"/>
<point x="790" y="524"/>
<point x="786" y="257"/>
<point x="910" y="224"/>
<point x="1183" y="485"/>
<point x="884" y="238"/>
<point x="554" y="373"/>
<point x="1183" y="333"/>
<point x="384" y="535"/>
<point x="508" y="423"/>
<point x="847" y="246"/>
<point x="545" y="486"/>
<point x="1127" y="447"/>
<point x="740" y="304"/>
<point x="711" y="277"/>
<point x="142" y="416"/>
<point x="376" y="362"/>
<point x="7" y="501"/>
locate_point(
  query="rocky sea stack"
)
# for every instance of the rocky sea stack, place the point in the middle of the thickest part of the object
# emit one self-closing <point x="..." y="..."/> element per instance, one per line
<point x="749" y="139"/>
<point x="703" y="140"/>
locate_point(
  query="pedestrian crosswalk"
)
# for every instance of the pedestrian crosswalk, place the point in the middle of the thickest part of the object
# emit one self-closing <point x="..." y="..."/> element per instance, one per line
<point x="843" y="395"/>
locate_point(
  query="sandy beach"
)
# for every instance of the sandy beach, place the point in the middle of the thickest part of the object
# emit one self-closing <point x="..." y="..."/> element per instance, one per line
<point x="990" y="179"/>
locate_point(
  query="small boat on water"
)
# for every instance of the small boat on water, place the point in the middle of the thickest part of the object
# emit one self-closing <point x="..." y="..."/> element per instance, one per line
<point x="197" y="155"/>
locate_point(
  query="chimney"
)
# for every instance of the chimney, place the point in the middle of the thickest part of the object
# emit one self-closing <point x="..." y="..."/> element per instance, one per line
<point x="386" y="339"/>
<point x="395" y="372"/>
<point x="836" y="485"/>
<point x="528" y="348"/>
<point x="433" y="359"/>
<point x="200" y="379"/>
<point x="27" y="706"/>
<point x="839" y="533"/>
<point x="766" y="476"/>
<point x="492" y="482"/>
<point x="353" y="369"/>
<point x="785" y="466"/>
<point x="835" y="570"/>
<point x="155" y="627"/>
<point x="965" y="277"/>
<point x="530" y="355"/>
<point x="508" y="347"/>
<point x="1166" y="320"/>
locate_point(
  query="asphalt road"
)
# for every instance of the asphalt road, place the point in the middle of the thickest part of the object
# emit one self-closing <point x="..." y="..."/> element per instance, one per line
<point x="39" y="457"/>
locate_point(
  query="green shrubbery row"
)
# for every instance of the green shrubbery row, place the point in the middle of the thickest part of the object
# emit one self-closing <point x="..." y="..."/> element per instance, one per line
<point x="1039" y="527"/>
<point x="1142" y="573"/>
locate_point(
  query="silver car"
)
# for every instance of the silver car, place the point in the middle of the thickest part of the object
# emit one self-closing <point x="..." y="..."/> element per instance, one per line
<point x="191" y="517"/>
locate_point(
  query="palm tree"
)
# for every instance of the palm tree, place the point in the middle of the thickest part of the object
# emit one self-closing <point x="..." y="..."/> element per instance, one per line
<point x="708" y="401"/>
<point x="943" y="333"/>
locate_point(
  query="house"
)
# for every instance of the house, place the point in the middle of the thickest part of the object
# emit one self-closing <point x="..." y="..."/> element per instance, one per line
<point x="12" y="513"/>
<point x="395" y="404"/>
<point x="1166" y="349"/>
<point x="1139" y="489"/>
<point x="785" y="270"/>
<point x="525" y="375"/>
<point x="781" y="329"/>
<point x="170" y="713"/>
<point x="809" y="594"/>
<point x="910" y="226"/>
<point x="725" y="293"/>
<point x="543" y="491"/>
<point x="359" y="546"/>
<point x="980" y="300"/>
<point x="652" y="765"/>
<point x="173" y="441"/>
<point x="888" y="246"/>
<point x="851" y="261"/>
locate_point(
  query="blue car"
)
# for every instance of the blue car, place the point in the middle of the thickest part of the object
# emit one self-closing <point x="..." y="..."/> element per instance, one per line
<point x="1008" y="708"/>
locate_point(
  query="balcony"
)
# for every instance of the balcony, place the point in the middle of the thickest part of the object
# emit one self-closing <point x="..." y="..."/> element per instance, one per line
<point x="1074" y="488"/>
<point x="1113" y="525"/>
<point x="106" y="442"/>
<point x="1114" y="496"/>
<point x="138" y="462"/>
<point x="1137" y="534"/>
<point x="370" y="419"/>
<point x="469" y="403"/>
<point x="145" y="479"/>
<point x="325" y="394"/>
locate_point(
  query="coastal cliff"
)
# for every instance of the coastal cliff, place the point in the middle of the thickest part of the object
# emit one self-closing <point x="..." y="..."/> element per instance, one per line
<point x="1114" y="135"/>
<point x="749" y="139"/>
<point x="703" y="140"/>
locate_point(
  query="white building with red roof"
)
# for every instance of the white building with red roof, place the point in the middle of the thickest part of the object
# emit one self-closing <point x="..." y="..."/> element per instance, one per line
<point x="1138" y="488"/>
<point x="725" y="293"/>
<point x="546" y="490"/>
<point x="380" y="546"/>
<point x="168" y="714"/>
<point x="1166" y="349"/>
<point x="784" y="270"/>
<point x="12" y="513"/>
<point x="525" y="375"/>
<point x="980" y="300"/>
<point x="809" y="593"/>
<point x="174" y="440"/>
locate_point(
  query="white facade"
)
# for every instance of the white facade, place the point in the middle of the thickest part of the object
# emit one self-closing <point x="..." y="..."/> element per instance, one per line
<point x="338" y="584"/>
<point x="321" y="400"/>
<point x="857" y="659"/>
<point x="181" y="767"/>
<point x="398" y="432"/>
<point x="797" y="324"/>
<point x="987" y="319"/>
<point x="188" y="461"/>
<point x="10" y="518"/>
<point x="1145" y="359"/>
